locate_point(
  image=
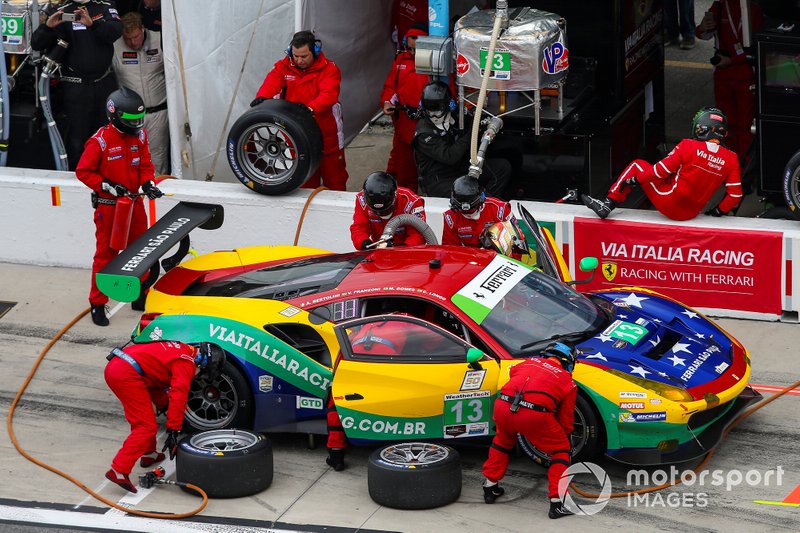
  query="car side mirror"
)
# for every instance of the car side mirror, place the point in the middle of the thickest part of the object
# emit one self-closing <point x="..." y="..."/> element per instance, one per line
<point x="587" y="264"/>
<point x="473" y="356"/>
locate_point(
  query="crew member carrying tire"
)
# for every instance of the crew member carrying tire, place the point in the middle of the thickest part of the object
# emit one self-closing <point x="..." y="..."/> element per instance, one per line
<point x="307" y="77"/>
<point x="539" y="403"/>
<point x="378" y="202"/>
<point x="116" y="162"/>
<point x="681" y="184"/>
<point x="140" y="376"/>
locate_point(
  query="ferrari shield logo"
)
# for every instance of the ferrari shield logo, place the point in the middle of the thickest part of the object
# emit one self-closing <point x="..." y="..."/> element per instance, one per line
<point x="610" y="271"/>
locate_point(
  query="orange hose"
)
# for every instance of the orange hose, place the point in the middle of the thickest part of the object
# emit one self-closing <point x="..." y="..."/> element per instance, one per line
<point x="303" y="213"/>
<point x="26" y="455"/>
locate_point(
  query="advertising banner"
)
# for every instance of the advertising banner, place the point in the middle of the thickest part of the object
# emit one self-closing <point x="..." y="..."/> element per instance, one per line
<point x="700" y="267"/>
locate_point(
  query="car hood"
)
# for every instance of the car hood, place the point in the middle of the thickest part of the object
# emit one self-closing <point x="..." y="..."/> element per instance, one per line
<point x="658" y="339"/>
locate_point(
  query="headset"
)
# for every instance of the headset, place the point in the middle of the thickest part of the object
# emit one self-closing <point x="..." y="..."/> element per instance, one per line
<point x="303" y="38"/>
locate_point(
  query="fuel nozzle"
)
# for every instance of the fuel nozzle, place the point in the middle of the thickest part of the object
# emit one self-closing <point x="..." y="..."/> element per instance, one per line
<point x="152" y="477"/>
<point x="53" y="58"/>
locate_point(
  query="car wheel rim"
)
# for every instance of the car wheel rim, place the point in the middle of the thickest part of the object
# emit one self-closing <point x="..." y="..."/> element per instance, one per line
<point x="578" y="438"/>
<point x="414" y="453"/>
<point x="212" y="405"/>
<point x="794" y="189"/>
<point x="223" y="440"/>
<point x="267" y="153"/>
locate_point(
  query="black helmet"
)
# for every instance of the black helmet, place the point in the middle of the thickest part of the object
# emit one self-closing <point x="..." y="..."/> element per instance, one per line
<point x="466" y="195"/>
<point x="710" y="123"/>
<point x="563" y="353"/>
<point x="436" y="98"/>
<point x="210" y="359"/>
<point x="125" y="110"/>
<point x="380" y="192"/>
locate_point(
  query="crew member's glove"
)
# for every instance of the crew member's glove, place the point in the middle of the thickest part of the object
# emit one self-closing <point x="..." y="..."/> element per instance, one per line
<point x="365" y="244"/>
<point x="257" y="101"/>
<point x="171" y="444"/>
<point x="716" y="212"/>
<point x="150" y="189"/>
<point x="114" y="189"/>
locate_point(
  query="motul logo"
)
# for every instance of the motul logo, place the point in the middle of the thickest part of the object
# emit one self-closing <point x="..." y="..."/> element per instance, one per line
<point x="631" y="405"/>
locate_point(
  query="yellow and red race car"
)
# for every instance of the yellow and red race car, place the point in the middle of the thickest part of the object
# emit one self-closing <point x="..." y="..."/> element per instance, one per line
<point x="414" y="343"/>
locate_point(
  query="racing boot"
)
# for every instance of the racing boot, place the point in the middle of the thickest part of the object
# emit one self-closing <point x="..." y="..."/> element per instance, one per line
<point x="151" y="458"/>
<point x="99" y="315"/>
<point x="336" y="458"/>
<point x="492" y="491"/>
<point x="602" y="207"/>
<point x="120" y="479"/>
<point x="558" y="509"/>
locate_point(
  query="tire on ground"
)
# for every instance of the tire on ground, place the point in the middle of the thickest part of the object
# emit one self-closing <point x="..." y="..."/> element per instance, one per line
<point x="225" y="463"/>
<point x="274" y="147"/>
<point x="414" y="475"/>
<point x="587" y="437"/>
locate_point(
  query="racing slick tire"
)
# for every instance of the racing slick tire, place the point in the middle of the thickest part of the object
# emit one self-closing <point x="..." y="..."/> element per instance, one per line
<point x="791" y="184"/>
<point x="223" y="403"/>
<point x="274" y="147"/>
<point x="225" y="463"/>
<point x="587" y="437"/>
<point x="414" y="475"/>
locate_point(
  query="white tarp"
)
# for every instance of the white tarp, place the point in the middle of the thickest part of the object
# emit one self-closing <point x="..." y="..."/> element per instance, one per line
<point x="217" y="54"/>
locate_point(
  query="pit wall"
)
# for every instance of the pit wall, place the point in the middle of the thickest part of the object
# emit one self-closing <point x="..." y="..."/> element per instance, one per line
<point x="735" y="267"/>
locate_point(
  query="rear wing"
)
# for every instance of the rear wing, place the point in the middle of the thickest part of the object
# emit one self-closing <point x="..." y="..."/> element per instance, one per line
<point x="121" y="278"/>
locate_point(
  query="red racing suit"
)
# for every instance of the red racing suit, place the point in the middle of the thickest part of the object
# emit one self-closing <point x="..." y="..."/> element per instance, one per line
<point x="732" y="80"/>
<point x="124" y="159"/>
<point x="681" y="184"/>
<point x="368" y="226"/>
<point x="403" y="87"/>
<point x="462" y="231"/>
<point x="550" y="388"/>
<point x="165" y="365"/>
<point x="318" y="88"/>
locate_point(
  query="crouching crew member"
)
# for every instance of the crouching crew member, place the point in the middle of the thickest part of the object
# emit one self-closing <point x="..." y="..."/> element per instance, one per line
<point x="471" y="212"/>
<point x="538" y="402"/>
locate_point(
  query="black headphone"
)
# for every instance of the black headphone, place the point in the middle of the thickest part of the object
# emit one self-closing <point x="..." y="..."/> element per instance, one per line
<point x="303" y="38"/>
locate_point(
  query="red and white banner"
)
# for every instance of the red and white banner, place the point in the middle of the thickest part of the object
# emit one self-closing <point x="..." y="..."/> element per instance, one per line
<point x="700" y="267"/>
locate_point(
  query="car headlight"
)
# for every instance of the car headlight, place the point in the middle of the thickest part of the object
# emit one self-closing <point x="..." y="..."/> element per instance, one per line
<point x="670" y="392"/>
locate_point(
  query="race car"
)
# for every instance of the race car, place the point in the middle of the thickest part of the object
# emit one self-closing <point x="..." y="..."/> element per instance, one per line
<point x="413" y="343"/>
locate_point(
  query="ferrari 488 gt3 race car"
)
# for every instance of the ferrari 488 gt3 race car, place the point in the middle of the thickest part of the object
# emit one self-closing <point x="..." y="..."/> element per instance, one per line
<point x="414" y="343"/>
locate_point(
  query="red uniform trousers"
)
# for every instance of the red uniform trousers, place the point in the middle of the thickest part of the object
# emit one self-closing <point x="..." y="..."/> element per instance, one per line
<point x="103" y="254"/>
<point x="643" y="172"/>
<point x="541" y="429"/>
<point x="332" y="172"/>
<point x="336" y="436"/>
<point x="137" y="403"/>
<point x="401" y="158"/>
<point x="734" y="98"/>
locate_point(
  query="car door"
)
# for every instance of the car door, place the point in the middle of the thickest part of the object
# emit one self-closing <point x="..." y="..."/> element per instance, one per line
<point x="545" y="254"/>
<point x="402" y="378"/>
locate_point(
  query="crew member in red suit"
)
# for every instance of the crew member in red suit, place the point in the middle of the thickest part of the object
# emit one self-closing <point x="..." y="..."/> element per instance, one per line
<point x="733" y="71"/>
<point x="682" y="183"/>
<point x="471" y="212"/>
<point x="307" y="77"/>
<point x="160" y="374"/>
<point x="381" y="199"/>
<point x="538" y="402"/>
<point x="401" y="94"/>
<point x="116" y="162"/>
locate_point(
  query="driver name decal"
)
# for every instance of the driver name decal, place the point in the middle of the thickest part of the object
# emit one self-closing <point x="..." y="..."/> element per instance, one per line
<point x="478" y="297"/>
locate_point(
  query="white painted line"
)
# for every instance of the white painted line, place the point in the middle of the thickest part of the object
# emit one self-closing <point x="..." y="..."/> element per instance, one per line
<point x="116" y="308"/>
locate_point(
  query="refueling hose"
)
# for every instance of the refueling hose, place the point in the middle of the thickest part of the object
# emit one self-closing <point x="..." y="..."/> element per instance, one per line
<point x="26" y="455"/>
<point x="5" y="104"/>
<point x="56" y="142"/>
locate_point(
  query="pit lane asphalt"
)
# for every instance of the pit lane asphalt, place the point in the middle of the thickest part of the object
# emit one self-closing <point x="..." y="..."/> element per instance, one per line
<point x="69" y="419"/>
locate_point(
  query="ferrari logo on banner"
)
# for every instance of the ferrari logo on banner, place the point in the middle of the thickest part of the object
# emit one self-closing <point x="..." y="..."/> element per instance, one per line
<point x="609" y="271"/>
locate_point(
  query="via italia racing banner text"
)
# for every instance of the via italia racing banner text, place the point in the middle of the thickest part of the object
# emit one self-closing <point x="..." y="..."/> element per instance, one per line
<point x="700" y="267"/>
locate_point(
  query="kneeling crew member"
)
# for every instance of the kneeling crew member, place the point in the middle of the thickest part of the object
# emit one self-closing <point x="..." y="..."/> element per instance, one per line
<point x="471" y="212"/>
<point x="538" y="402"/>
<point x="139" y="376"/>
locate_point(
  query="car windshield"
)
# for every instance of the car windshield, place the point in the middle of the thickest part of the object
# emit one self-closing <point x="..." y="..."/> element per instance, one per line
<point x="538" y="310"/>
<point x="281" y="282"/>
